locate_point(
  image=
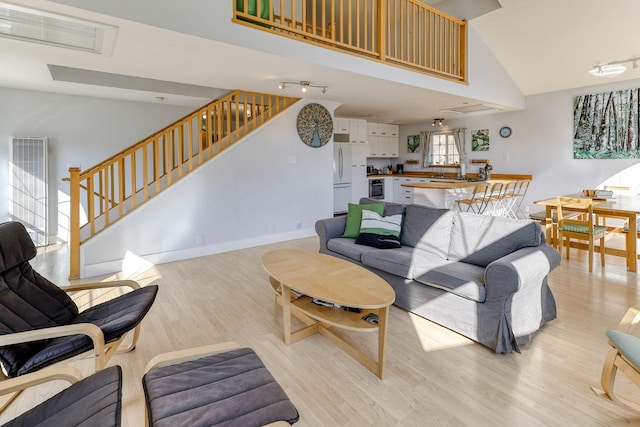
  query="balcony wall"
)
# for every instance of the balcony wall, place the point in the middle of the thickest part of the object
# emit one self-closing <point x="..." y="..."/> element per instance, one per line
<point x="487" y="80"/>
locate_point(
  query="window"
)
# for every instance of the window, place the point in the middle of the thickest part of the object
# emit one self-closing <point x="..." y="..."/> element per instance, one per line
<point x="443" y="150"/>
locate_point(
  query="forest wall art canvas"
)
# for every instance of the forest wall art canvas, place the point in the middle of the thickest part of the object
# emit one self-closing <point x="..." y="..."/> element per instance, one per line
<point x="605" y="125"/>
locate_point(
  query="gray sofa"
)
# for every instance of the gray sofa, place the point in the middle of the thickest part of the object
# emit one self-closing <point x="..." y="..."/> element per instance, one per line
<point x="481" y="276"/>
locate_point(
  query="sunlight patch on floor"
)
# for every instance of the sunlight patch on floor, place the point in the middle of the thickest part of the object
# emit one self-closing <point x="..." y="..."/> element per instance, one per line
<point x="135" y="268"/>
<point x="434" y="337"/>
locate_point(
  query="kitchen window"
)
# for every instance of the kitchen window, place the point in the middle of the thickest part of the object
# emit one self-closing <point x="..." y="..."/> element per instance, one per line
<point x="444" y="148"/>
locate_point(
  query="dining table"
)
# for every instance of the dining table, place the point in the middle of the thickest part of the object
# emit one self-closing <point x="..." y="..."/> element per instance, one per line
<point x="626" y="207"/>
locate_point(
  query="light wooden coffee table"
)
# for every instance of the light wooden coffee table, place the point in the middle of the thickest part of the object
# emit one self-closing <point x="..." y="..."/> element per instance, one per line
<point x="333" y="280"/>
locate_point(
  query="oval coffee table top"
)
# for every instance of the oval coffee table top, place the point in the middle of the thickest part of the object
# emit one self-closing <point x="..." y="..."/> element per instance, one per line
<point x="328" y="278"/>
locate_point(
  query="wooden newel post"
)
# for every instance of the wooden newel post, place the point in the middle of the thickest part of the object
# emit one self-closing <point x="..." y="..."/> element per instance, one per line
<point x="74" y="223"/>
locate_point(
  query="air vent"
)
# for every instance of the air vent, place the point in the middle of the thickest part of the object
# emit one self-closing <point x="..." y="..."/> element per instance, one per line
<point x="28" y="186"/>
<point x="470" y="109"/>
<point x="36" y="26"/>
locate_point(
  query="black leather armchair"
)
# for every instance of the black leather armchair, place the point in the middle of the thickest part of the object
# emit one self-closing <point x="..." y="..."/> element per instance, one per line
<point x="41" y="325"/>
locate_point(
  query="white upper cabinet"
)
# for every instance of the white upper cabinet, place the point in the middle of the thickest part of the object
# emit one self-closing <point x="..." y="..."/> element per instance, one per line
<point x="383" y="140"/>
<point x="358" y="131"/>
<point x="383" y="129"/>
<point x="341" y="125"/>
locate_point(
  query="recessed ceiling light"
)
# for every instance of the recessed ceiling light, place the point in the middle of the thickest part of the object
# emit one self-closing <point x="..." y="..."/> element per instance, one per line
<point x="37" y="26"/>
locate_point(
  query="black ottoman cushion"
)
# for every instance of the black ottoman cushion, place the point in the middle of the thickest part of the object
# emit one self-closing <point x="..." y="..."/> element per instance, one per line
<point x="232" y="388"/>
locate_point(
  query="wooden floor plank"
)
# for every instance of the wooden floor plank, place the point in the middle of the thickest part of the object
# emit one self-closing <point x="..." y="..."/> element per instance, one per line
<point x="433" y="376"/>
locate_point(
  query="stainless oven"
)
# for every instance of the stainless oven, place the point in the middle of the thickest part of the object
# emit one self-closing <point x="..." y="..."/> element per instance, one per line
<point x="376" y="188"/>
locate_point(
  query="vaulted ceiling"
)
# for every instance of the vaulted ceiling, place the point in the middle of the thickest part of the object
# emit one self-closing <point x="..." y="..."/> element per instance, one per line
<point x="544" y="45"/>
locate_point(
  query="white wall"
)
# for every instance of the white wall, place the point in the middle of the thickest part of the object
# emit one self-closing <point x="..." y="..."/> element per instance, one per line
<point x="82" y="131"/>
<point x="541" y="145"/>
<point x="249" y="195"/>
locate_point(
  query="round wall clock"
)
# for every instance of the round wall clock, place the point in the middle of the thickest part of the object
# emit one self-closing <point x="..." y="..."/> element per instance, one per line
<point x="315" y="125"/>
<point x="505" y="131"/>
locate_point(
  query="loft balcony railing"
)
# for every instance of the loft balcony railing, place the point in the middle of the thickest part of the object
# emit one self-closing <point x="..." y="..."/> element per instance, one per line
<point x="108" y="191"/>
<point x="404" y="33"/>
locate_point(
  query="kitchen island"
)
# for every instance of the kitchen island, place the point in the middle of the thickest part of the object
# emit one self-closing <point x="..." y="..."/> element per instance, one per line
<point x="442" y="192"/>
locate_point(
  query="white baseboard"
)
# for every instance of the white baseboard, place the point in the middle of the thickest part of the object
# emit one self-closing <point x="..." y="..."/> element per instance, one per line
<point x="115" y="266"/>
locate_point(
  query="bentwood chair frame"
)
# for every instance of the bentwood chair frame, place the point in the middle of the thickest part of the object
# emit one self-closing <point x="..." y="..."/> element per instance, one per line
<point x="94" y="400"/>
<point x="40" y="324"/>
<point x="616" y="360"/>
<point x="578" y="228"/>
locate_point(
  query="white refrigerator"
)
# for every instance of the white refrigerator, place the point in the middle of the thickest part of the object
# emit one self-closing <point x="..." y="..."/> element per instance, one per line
<point x="341" y="176"/>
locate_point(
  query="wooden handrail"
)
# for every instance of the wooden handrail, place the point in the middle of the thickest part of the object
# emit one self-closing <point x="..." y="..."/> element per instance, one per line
<point x="111" y="189"/>
<point x="404" y="33"/>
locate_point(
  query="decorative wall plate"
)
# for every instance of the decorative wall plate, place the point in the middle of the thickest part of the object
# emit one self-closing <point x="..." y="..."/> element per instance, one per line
<point x="315" y="125"/>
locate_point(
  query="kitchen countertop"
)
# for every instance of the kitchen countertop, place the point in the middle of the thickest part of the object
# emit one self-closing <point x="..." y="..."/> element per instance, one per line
<point x="444" y="184"/>
<point x="450" y="184"/>
<point x="452" y="177"/>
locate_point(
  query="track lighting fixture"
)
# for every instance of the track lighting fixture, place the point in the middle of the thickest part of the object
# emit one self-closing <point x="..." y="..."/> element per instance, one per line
<point x="438" y="122"/>
<point x="304" y="86"/>
<point x="614" y="68"/>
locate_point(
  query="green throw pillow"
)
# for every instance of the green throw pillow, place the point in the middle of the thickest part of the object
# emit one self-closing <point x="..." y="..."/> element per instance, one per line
<point x="354" y="217"/>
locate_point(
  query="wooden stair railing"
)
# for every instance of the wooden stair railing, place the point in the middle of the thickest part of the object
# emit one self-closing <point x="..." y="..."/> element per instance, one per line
<point x="111" y="189"/>
<point x="403" y="33"/>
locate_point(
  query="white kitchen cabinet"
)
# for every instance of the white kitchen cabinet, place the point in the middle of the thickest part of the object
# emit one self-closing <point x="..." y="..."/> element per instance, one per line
<point x="382" y="146"/>
<point x="397" y="188"/>
<point x="387" y="129"/>
<point x="341" y="125"/>
<point x="359" y="180"/>
<point x="388" y="189"/>
<point x="391" y="146"/>
<point x="402" y="194"/>
<point x="374" y="148"/>
<point x="405" y="194"/>
<point x="383" y="140"/>
<point x="358" y="131"/>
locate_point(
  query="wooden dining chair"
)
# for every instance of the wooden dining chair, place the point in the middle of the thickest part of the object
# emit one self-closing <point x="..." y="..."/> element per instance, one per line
<point x="623" y="355"/>
<point x="581" y="228"/>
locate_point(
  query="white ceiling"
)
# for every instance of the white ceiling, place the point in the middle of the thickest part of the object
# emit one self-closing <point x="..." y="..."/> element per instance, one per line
<point x="544" y="45"/>
<point x="549" y="45"/>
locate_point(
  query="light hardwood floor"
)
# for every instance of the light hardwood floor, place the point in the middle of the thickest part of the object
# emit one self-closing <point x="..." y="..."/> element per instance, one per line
<point x="434" y="377"/>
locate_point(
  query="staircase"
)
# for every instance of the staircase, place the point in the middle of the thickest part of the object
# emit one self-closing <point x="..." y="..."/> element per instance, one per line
<point x="106" y="192"/>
